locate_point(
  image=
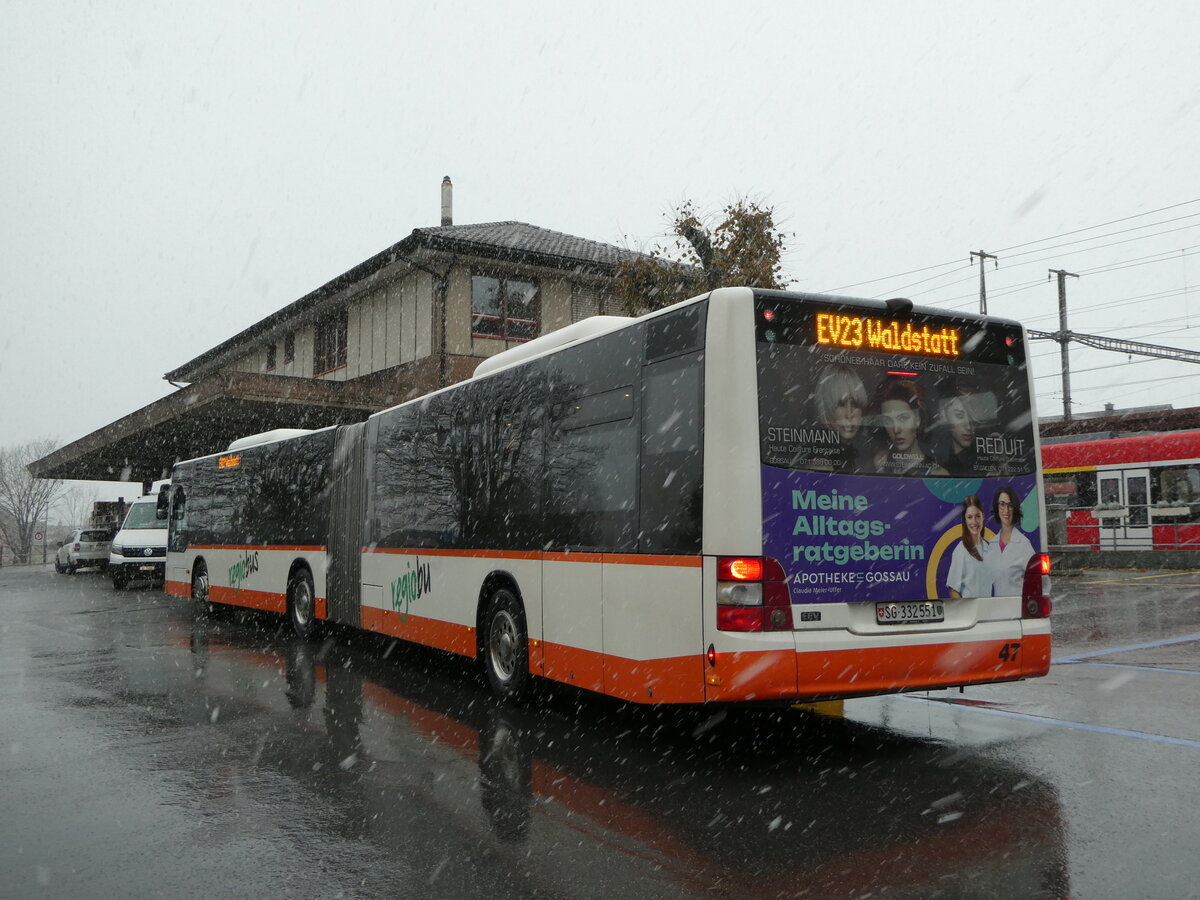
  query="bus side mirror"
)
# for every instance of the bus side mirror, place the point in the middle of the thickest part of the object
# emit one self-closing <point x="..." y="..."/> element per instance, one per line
<point x="164" y="502"/>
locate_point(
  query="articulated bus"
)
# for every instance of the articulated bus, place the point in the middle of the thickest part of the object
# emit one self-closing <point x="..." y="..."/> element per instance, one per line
<point x="750" y="496"/>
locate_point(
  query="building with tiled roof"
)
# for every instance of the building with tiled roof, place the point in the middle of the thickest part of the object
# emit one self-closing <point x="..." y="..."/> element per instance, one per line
<point x="416" y="316"/>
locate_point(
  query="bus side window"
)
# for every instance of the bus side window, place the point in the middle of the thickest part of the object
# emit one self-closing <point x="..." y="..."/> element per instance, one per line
<point x="675" y="333"/>
<point x="591" y="483"/>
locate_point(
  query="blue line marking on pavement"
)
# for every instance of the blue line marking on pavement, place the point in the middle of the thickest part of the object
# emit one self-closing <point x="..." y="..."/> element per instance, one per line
<point x="1078" y="726"/>
<point x="1163" y="643"/>
<point x="1084" y="662"/>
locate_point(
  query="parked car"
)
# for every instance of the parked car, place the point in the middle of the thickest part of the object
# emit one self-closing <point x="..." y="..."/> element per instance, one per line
<point x="85" y="547"/>
<point x="139" y="550"/>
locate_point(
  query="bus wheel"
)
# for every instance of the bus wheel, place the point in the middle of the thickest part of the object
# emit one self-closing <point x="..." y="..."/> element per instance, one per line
<point x="506" y="646"/>
<point x="199" y="589"/>
<point x="302" y="604"/>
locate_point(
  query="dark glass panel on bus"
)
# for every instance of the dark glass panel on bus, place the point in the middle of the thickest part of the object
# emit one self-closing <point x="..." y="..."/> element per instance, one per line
<point x="551" y="455"/>
<point x="676" y="332"/>
<point x="858" y="390"/>
<point x="462" y="468"/>
<point x="591" y="486"/>
<point x="672" y="476"/>
<point x="591" y="473"/>
<point x="274" y="495"/>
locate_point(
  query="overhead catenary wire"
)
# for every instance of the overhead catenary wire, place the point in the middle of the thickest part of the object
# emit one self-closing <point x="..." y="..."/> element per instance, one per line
<point x="1008" y="250"/>
<point x="1151" y="259"/>
<point x="1101" y="225"/>
<point x="941" y="278"/>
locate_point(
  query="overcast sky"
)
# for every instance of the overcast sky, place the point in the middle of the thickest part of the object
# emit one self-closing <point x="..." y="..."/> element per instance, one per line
<point x="172" y="173"/>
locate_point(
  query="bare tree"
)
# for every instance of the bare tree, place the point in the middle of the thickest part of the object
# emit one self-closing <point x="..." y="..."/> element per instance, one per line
<point x="74" y="506"/>
<point x="24" y="500"/>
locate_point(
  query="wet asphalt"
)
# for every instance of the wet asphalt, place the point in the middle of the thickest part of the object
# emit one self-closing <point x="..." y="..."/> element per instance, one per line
<point x="147" y="751"/>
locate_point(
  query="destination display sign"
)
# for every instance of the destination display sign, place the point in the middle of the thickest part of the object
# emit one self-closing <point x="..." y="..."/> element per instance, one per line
<point x="858" y="332"/>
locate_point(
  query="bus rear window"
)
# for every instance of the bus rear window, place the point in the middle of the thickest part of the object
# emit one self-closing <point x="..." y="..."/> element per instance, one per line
<point x="856" y="392"/>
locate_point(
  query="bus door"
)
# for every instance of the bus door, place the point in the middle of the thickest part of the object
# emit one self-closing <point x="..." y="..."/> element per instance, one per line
<point x="1124" y="512"/>
<point x="347" y="512"/>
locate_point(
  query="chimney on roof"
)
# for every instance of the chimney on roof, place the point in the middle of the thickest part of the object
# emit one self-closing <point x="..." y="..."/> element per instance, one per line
<point x="447" y="201"/>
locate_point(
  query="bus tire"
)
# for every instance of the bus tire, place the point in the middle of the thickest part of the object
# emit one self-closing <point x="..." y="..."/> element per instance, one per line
<point x="199" y="589"/>
<point x="506" y="646"/>
<point x="302" y="604"/>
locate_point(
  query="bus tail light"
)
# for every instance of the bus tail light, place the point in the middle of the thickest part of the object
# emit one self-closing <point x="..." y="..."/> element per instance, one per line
<point x="752" y="594"/>
<point x="1035" y="597"/>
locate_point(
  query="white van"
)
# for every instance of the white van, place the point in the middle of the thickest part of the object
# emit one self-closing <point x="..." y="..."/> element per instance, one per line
<point x="139" y="550"/>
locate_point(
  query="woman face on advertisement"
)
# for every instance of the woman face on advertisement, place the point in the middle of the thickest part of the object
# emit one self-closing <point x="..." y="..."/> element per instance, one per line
<point x="973" y="519"/>
<point x="901" y="423"/>
<point x="960" y="425"/>
<point x="1004" y="505"/>
<point x="846" y="419"/>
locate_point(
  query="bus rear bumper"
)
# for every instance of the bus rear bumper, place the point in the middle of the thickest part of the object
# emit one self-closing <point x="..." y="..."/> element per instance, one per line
<point x="825" y="674"/>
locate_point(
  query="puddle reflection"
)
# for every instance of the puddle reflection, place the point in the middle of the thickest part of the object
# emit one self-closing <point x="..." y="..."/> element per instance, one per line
<point x="600" y="796"/>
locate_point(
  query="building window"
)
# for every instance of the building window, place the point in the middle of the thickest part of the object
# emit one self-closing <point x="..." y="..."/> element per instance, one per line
<point x="329" y="344"/>
<point x="289" y="347"/>
<point x="271" y="357"/>
<point x="504" y="308"/>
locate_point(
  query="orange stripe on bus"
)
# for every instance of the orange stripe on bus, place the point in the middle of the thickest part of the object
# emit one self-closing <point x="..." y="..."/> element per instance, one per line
<point x="624" y="559"/>
<point x="270" y="601"/>
<point x="289" y="547"/>
<point x="580" y="557"/>
<point x="442" y="635"/>
<point x="646" y="559"/>
<point x="1036" y="655"/>
<point x="678" y="679"/>
<point x="264" y="600"/>
<point x="457" y="554"/>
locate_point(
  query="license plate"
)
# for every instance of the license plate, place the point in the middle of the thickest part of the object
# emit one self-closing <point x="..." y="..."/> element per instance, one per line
<point x="910" y="613"/>
<point x="147" y="568"/>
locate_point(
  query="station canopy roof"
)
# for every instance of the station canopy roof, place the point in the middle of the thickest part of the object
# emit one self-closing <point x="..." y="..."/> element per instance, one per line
<point x="204" y="418"/>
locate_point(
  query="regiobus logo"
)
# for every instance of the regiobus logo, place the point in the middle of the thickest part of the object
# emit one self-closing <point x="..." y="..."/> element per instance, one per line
<point x="243" y="569"/>
<point x="411" y="586"/>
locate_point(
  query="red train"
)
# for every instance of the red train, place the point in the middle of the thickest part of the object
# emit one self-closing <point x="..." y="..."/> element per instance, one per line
<point x="1124" y="493"/>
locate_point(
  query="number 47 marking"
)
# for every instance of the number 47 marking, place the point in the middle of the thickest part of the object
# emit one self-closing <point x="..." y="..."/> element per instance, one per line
<point x="1008" y="652"/>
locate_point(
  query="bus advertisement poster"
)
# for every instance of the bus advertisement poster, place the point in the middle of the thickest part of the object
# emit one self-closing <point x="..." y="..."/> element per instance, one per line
<point x="841" y="538"/>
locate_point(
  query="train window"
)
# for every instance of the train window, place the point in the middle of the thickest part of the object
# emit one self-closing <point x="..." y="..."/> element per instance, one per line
<point x="1179" y="485"/>
<point x="1178" y="495"/>
<point x="1061" y="491"/>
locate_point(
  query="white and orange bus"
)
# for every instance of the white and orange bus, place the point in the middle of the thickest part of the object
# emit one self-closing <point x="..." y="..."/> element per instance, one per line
<point x="750" y="496"/>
